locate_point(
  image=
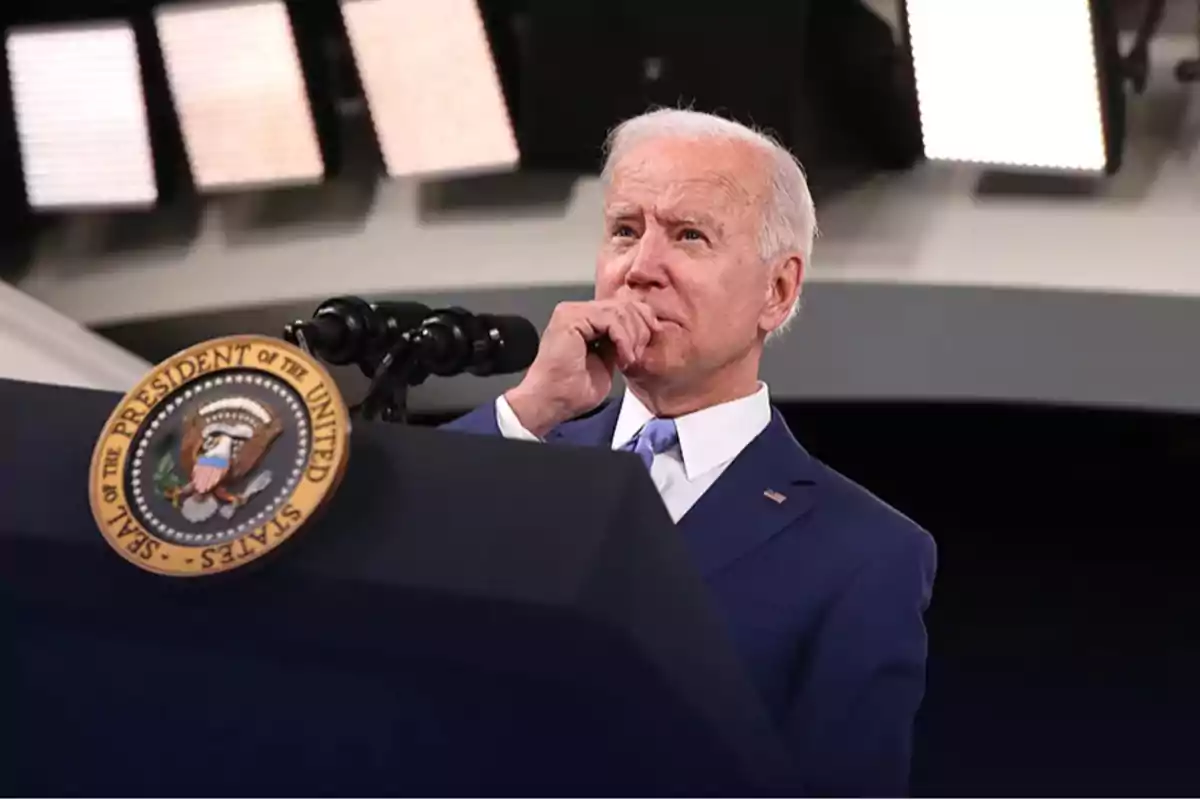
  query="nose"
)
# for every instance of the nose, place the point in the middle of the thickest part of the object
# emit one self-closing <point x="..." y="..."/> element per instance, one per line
<point x="649" y="266"/>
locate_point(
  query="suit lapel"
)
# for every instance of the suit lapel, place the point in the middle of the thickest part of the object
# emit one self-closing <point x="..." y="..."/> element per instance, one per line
<point x="767" y="487"/>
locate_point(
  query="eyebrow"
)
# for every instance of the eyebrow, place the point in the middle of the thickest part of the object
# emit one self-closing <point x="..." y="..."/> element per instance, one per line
<point x="700" y="219"/>
<point x="619" y="212"/>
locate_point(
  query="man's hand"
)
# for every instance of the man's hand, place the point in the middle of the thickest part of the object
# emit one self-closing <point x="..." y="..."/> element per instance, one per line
<point x="568" y="377"/>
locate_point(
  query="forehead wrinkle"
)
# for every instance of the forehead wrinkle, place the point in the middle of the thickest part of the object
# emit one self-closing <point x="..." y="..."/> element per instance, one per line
<point x="736" y="172"/>
<point x="681" y="199"/>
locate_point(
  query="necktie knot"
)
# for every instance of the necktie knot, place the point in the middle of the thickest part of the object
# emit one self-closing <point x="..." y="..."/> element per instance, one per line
<point x="656" y="436"/>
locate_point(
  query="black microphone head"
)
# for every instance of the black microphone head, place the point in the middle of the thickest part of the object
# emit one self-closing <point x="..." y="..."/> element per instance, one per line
<point x="452" y="341"/>
<point x="514" y="344"/>
<point x="338" y="328"/>
<point x="401" y="315"/>
<point x="346" y="330"/>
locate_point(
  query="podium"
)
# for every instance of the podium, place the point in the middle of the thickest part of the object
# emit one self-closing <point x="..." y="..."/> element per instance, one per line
<point x="468" y="616"/>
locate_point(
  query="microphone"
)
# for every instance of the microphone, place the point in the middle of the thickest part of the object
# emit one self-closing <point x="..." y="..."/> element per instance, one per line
<point x="451" y="341"/>
<point x="444" y="342"/>
<point x="349" y="330"/>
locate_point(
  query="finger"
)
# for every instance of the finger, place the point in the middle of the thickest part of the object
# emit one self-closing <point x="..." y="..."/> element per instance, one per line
<point x="592" y="322"/>
<point x="624" y="339"/>
<point x="648" y="315"/>
<point x="620" y="324"/>
<point x="639" y="327"/>
<point x="638" y="331"/>
<point x="643" y="322"/>
<point x="620" y="330"/>
<point x="585" y="320"/>
<point x="647" y="323"/>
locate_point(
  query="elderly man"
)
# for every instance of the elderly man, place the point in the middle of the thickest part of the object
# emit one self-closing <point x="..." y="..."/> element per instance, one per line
<point x="708" y="227"/>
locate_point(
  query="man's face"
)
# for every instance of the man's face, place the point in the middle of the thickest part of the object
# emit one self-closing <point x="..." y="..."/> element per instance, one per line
<point x="682" y="226"/>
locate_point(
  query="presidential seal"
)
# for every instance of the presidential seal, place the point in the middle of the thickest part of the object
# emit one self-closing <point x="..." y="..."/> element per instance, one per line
<point x="219" y="456"/>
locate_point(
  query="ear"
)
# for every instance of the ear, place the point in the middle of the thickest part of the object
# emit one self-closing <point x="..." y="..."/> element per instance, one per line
<point x="786" y="278"/>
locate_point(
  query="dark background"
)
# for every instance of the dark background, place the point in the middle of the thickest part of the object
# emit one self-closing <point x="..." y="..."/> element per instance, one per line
<point x="1064" y="655"/>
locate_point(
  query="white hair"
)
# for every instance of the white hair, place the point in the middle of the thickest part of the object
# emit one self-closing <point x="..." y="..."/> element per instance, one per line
<point x="790" y="219"/>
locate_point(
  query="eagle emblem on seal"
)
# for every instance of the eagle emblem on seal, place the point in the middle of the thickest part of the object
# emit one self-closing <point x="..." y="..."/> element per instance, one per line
<point x="221" y="445"/>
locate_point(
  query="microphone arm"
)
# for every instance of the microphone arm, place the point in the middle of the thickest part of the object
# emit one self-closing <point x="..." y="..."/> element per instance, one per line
<point x="449" y="342"/>
<point x="349" y="330"/>
<point x="387" y="396"/>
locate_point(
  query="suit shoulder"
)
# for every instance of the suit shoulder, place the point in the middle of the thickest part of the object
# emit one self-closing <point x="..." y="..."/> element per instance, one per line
<point x="861" y="514"/>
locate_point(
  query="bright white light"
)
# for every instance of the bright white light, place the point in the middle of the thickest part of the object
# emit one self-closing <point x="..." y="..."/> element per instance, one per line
<point x="81" y="117"/>
<point x="430" y="80"/>
<point x="1010" y="82"/>
<point x="237" y="86"/>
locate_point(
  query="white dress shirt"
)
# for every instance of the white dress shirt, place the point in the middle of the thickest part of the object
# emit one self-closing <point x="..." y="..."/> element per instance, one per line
<point x="709" y="440"/>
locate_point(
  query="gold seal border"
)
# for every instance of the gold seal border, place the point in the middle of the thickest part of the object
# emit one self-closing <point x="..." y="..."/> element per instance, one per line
<point x="329" y="430"/>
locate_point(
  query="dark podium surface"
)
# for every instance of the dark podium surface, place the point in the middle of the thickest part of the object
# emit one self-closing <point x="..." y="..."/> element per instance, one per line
<point x="469" y="616"/>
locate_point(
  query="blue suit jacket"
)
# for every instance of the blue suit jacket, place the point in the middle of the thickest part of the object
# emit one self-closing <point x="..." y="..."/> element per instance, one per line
<point x="824" y="595"/>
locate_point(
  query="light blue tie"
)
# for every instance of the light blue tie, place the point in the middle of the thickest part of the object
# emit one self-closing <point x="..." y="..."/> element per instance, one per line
<point x="656" y="436"/>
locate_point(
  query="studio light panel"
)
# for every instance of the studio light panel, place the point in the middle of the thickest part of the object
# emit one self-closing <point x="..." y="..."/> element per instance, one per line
<point x="432" y="87"/>
<point x="237" y="86"/>
<point x="1008" y="82"/>
<point x="81" y="117"/>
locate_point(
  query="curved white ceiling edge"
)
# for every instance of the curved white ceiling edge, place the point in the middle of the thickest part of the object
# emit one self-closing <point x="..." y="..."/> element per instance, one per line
<point x="897" y="343"/>
<point x="862" y="342"/>
<point x="40" y="345"/>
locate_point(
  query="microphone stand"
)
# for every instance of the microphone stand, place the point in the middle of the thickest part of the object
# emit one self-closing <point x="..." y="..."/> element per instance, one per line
<point x="387" y="397"/>
<point x="391" y="376"/>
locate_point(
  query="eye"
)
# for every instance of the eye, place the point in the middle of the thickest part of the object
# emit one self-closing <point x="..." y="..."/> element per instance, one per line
<point x="623" y="231"/>
<point x="692" y="235"/>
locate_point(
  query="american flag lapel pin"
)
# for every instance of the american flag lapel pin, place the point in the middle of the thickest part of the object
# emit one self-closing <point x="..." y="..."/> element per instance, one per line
<point x="771" y="494"/>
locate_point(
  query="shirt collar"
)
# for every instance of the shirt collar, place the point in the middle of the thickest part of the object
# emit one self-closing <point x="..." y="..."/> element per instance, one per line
<point x="709" y="437"/>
